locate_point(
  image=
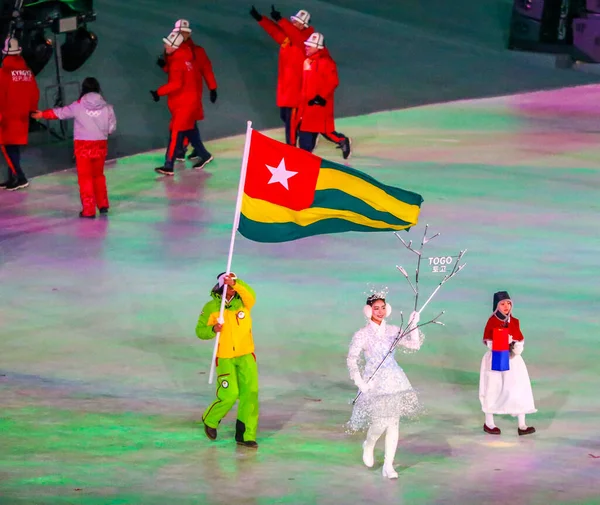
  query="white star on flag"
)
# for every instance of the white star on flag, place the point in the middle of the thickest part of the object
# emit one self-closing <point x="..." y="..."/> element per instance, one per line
<point x="280" y="174"/>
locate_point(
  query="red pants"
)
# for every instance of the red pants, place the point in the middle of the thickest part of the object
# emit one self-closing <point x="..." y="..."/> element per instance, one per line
<point x="90" y="156"/>
<point x="92" y="184"/>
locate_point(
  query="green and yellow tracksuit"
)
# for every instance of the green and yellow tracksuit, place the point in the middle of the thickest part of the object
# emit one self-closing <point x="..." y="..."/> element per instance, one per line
<point x="237" y="371"/>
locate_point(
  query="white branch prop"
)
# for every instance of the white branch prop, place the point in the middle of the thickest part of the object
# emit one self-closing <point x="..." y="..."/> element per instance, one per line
<point x="408" y="328"/>
<point x="401" y="334"/>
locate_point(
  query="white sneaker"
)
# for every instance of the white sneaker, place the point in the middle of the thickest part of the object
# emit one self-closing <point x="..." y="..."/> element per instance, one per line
<point x="368" y="457"/>
<point x="389" y="472"/>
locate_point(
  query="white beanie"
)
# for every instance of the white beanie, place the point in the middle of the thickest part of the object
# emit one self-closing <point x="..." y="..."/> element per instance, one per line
<point x="315" y="40"/>
<point x="175" y="39"/>
<point x="11" y="47"/>
<point x="182" y="25"/>
<point x="301" y="16"/>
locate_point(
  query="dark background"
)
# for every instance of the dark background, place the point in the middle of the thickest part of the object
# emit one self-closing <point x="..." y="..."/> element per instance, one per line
<point x="390" y="53"/>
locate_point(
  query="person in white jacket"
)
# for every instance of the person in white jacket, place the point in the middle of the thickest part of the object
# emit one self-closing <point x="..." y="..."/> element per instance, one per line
<point x="388" y="395"/>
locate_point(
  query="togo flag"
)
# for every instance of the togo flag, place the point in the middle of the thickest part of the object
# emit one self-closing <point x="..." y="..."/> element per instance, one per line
<point x="290" y="194"/>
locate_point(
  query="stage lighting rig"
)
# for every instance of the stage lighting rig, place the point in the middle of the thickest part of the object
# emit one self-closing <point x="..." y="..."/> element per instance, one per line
<point x="37" y="49"/>
<point x="64" y="16"/>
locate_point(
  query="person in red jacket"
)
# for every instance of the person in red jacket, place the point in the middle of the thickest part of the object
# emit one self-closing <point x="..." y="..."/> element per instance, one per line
<point x="320" y="79"/>
<point x="183" y="99"/>
<point x="204" y="74"/>
<point x="290" y="35"/>
<point x="19" y="96"/>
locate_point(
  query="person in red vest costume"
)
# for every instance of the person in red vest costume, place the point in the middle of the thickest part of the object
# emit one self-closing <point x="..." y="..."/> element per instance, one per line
<point x="19" y="96"/>
<point x="204" y="74"/>
<point x="183" y="99"/>
<point x="290" y="35"/>
<point x="320" y="79"/>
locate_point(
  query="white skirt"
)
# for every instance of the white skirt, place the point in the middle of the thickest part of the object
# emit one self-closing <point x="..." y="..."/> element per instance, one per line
<point x="392" y="396"/>
<point x="506" y="392"/>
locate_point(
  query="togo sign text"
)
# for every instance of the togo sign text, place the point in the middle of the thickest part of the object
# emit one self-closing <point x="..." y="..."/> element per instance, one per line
<point x="439" y="263"/>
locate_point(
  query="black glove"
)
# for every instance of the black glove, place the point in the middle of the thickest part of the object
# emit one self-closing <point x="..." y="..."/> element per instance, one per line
<point x="318" y="100"/>
<point x="161" y="62"/>
<point x="255" y="14"/>
<point x="155" y="96"/>
<point x="275" y="14"/>
<point x="213" y="95"/>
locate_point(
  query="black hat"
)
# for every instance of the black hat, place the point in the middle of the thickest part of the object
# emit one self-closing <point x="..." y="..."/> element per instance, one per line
<point x="498" y="297"/>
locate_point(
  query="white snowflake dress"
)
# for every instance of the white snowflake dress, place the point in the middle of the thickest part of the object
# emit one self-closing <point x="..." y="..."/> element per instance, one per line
<point x="392" y="395"/>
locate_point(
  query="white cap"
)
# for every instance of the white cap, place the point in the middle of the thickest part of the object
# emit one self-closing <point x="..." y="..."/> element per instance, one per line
<point x="182" y="25"/>
<point x="315" y="40"/>
<point x="301" y="16"/>
<point x="11" y="47"/>
<point x="221" y="278"/>
<point x="175" y="39"/>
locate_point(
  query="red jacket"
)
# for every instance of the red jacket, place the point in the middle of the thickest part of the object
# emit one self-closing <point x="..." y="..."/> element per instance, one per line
<point x="203" y="71"/>
<point x="291" y="58"/>
<point x="183" y="97"/>
<point x="320" y="78"/>
<point x="514" y="328"/>
<point x="19" y="96"/>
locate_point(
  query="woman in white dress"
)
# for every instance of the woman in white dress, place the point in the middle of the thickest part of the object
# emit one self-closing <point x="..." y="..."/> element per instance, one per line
<point x="388" y="395"/>
<point x="507" y="392"/>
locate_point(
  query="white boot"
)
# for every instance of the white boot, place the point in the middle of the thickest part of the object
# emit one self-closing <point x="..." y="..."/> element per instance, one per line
<point x="391" y="444"/>
<point x="388" y="471"/>
<point x="375" y="431"/>
<point x="368" y="456"/>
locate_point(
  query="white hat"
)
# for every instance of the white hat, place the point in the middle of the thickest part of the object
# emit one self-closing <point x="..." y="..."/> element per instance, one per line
<point x="301" y="16"/>
<point x="315" y="40"/>
<point x="175" y="39"/>
<point x="11" y="47"/>
<point x="182" y="25"/>
<point x="221" y="278"/>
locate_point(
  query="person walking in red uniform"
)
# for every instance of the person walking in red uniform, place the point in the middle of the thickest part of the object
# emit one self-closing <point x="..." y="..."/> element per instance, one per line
<point x="290" y="35"/>
<point x="19" y="96"/>
<point x="94" y="121"/>
<point x="204" y="74"/>
<point x="183" y="99"/>
<point x="319" y="82"/>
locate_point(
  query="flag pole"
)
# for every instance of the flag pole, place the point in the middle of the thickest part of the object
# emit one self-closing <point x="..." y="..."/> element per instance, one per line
<point x="236" y="222"/>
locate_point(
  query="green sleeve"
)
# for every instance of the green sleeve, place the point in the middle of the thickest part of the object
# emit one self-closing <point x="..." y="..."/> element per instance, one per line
<point x="204" y="328"/>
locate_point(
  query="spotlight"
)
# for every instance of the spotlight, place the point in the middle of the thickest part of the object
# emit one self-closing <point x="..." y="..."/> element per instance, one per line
<point x="78" y="47"/>
<point x="37" y="50"/>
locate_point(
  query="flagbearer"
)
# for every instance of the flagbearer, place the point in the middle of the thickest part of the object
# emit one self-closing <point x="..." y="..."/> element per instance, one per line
<point x="237" y="371"/>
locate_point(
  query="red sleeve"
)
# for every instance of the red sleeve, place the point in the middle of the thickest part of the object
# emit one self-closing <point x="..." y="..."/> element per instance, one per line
<point x="273" y="29"/>
<point x="35" y="96"/>
<point x="175" y="80"/>
<point x="3" y="93"/>
<point x="298" y="37"/>
<point x="206" y="67"/>
<point x="488" y="333"/>
<point x="515" y="331"/>
<point x="330" y="77"/>
<point x="49" y="114"/>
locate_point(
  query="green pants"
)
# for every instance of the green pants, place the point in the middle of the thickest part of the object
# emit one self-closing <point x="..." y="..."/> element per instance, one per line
<point x="236" y="378"/>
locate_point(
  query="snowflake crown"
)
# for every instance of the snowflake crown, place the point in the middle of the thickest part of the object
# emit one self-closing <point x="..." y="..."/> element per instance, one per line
<point x="377" y="293"/>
